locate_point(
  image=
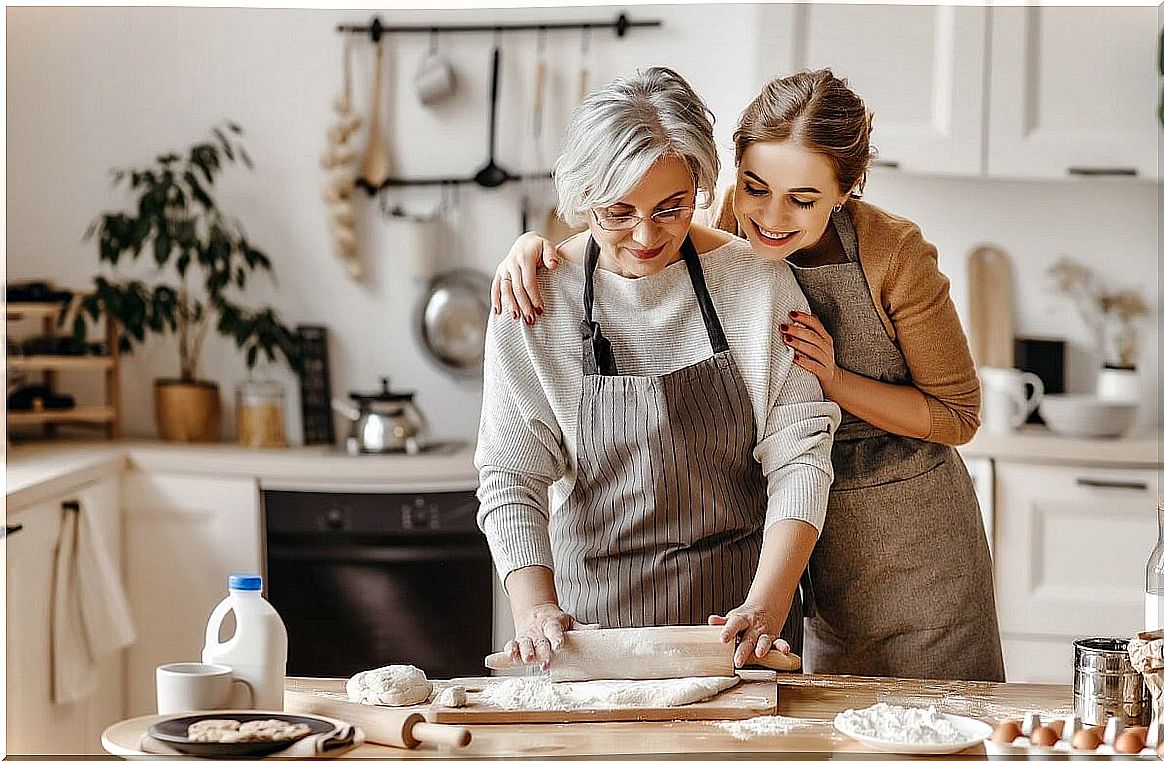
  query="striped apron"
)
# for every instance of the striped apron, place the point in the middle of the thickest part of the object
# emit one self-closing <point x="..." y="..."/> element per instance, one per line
<point x="901" y="575"/>
<point x="665" y="521"/>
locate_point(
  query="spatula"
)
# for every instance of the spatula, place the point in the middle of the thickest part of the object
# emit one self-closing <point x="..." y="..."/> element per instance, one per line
<point x="650" y="652"/>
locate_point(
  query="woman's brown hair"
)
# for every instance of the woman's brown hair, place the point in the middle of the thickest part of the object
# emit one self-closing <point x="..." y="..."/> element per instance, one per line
<point x="817" y="111"/>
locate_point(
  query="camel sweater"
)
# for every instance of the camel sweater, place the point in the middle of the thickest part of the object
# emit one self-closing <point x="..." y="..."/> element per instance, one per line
<point x="912" y="297"/>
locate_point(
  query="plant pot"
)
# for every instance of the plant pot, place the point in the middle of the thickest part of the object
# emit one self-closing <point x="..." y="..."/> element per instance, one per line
<point x="187" y="411"/>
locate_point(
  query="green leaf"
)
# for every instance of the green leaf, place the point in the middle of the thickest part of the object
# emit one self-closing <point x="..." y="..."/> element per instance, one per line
<point x="252" y="356"/>
<point x="234" y="128"/>
<point x="246" y="158"/>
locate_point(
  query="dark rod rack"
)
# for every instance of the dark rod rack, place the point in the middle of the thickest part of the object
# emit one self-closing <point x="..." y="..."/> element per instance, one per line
<point x="377" y="29"/>
<point x="404" y="182"/>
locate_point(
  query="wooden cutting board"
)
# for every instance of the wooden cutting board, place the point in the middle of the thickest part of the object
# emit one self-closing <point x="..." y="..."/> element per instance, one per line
<point x="755" y="695"/>
<point x="991" y="307"/>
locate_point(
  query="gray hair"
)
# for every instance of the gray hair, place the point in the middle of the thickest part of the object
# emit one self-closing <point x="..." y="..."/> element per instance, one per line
<point x="620" y="131"/>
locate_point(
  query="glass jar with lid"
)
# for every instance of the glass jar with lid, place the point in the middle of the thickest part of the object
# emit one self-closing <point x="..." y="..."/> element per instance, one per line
<point x="259" y="414"/>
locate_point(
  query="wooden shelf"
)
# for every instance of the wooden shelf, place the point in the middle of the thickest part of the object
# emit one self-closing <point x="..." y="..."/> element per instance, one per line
<point x="23" y="309"/>
<point x="95" y="414"/>
<point x="33" y="362"/>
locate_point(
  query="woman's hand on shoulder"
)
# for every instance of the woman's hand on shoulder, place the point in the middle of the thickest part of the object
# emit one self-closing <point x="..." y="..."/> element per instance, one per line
<point x="757" y="629"/>
<point x="539" y="632"/>
<point x="515" y="283"/>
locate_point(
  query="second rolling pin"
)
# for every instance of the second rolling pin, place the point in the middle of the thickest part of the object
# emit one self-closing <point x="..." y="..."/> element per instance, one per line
<point x="398" y="728"/>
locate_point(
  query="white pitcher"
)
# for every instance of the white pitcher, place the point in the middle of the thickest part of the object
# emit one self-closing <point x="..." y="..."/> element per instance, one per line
<point x="1005" y="401"/>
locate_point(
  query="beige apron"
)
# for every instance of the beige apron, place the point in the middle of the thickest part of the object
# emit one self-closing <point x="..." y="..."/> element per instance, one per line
<point x="901" y="575"/>
<point x="665" y="522"/>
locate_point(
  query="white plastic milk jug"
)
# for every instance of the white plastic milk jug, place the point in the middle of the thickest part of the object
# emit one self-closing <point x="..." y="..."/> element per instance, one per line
<point x="258" y="650"/>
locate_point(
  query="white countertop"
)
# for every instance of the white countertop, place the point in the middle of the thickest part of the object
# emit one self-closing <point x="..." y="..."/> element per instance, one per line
<point x="1139" y="449"/>
<point x="38" y="471"/>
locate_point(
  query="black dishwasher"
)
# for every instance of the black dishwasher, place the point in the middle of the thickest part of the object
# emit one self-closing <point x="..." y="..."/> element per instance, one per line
<point x="368" y="580"/>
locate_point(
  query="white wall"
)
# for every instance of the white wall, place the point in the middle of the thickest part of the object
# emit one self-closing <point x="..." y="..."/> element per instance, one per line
<point x="93" y="88"/>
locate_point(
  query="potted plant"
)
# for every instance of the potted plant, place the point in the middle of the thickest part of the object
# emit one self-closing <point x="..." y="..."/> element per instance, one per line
<point x="1113" y="317"/>
<point x="201" y="260"/>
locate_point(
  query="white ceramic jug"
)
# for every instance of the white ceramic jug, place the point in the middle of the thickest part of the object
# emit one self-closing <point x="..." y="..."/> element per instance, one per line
<point x="1005" y="401"/>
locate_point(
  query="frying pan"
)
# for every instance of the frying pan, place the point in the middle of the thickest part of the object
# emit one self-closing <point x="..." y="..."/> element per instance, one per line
<point x="451" y="320"/>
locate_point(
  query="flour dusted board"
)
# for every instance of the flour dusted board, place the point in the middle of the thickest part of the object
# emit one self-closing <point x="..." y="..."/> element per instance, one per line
<point x="755" y="695"/>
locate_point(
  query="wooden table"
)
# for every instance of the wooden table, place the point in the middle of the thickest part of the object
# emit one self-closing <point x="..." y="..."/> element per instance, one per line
<point x="810" y="697"/>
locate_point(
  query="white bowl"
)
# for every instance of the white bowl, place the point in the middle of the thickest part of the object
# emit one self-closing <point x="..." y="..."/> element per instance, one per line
<point x="973" y="732"/>
<point x="1087" y="415"/>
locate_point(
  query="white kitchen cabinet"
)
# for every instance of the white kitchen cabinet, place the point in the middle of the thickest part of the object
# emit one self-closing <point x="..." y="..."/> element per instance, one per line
<point x="1073" y="90"/>
<point x="1070" y="548"/>
<point x="35" y="725"/>
<point x="921" y="70"/>
<point x="184" y="535"/>
<point x="1041" y="660"/>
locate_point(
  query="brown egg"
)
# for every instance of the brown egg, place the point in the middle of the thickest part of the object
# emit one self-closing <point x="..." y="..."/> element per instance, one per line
<point x="1129" y="741"/>
<point x="1044" y="737"/>
<point x="1057" y="725"/>
<point x="1006" y="732"/>
<point x="1141" y="732"/>
<point x="1085" y="739"/>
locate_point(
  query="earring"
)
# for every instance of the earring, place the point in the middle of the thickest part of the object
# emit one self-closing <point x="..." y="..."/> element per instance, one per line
<point x="836" y="208"/>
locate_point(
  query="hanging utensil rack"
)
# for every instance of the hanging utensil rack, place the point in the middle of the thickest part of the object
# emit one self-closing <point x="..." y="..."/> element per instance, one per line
<point x="377" y="29"/>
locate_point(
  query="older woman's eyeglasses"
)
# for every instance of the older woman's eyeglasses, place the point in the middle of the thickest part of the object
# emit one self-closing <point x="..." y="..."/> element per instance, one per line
<point x="621" y="222"/>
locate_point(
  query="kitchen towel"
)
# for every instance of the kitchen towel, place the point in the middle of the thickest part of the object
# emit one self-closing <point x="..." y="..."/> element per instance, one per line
<point x="340" y="740"/>
<point x="90" y="613"/>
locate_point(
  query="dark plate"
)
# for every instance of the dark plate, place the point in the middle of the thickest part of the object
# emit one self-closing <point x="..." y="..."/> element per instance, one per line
<point x="173" y="733"/>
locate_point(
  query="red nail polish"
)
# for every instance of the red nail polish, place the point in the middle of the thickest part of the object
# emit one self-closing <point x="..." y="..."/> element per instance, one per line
<point x="783" y="328"/>
<point x="794" y="313"/>
<point x="540" y="310"/>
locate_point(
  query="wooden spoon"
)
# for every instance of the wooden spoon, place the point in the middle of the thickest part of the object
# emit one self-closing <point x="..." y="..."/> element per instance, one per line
<point x="375" y="169"/>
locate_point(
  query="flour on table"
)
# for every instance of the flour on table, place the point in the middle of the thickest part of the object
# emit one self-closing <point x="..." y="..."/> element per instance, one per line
<point x="539" y="693"/>
<point x="917" y="726"/>
<point x="745" y="729"/>
<point x="390" y="686"/>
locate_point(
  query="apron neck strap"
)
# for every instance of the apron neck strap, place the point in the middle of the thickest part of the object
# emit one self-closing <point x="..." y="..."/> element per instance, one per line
<point x="597" y="354"/>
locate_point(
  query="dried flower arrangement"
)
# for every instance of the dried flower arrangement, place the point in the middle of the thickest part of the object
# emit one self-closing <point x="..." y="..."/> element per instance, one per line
<point x="1112" y="315"/>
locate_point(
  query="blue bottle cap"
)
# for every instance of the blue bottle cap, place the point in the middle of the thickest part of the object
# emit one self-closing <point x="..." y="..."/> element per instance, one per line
<point x="246" y="581"/>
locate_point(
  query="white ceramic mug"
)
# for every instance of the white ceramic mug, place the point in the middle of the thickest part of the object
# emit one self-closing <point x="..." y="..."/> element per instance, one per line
<point x="1005" y="401"/>
<point x="434" y="79"/>
<point x="184" y="687"/>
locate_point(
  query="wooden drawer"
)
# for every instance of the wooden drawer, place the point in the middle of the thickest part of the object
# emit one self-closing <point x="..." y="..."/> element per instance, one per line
<point x="1070" y="548"/>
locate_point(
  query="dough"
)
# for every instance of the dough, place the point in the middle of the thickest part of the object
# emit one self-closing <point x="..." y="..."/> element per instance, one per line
<point x="539" y="693"/>
<point x="390" y="686"/>
<point x="452" y="697"/>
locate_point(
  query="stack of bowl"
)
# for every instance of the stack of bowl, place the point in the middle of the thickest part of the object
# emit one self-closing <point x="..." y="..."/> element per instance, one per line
<point x="1087" y="415"/>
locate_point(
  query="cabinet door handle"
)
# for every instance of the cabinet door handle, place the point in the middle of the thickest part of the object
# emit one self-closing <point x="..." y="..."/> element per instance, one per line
<point x="886" y="164"/>
<point x="11" y="530"/>
<point x="1100" y="483"/>
<point x="1101" y="171"/>
<point x="71" y="504"/>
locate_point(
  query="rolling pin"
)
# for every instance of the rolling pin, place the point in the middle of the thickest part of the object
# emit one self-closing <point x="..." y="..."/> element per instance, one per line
<point x="382" y="725"/>
<point x="648" y="652"/>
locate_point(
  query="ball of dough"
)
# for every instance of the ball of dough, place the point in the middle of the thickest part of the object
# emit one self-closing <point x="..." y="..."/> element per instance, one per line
<point x="390" y="686"/>
<point x="452" y="697"/>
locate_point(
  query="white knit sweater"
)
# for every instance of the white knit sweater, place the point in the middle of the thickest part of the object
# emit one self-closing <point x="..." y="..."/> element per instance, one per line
<point x="527" y="443"/>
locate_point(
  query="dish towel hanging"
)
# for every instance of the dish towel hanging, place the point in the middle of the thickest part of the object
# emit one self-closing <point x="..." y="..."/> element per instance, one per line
<point x="90" y="613"/>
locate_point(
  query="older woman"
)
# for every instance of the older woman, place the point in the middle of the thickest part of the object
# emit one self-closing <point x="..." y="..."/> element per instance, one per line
<point x="649" y="453"/>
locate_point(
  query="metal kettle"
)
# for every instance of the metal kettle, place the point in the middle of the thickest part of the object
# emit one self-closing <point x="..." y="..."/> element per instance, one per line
<point x="386" y="421"/>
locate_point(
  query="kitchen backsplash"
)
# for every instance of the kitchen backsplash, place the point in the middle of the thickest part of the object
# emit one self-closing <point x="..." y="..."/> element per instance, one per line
<point x="93" y="88"/>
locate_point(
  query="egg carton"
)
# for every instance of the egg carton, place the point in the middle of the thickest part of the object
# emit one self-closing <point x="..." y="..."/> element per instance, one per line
<point x="1022" y="745"/>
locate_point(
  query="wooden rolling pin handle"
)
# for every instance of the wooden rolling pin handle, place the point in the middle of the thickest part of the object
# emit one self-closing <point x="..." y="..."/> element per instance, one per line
<point x="777" y="660"/>
<point x="440" y="734"/>
<point x="499" y="661"/>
